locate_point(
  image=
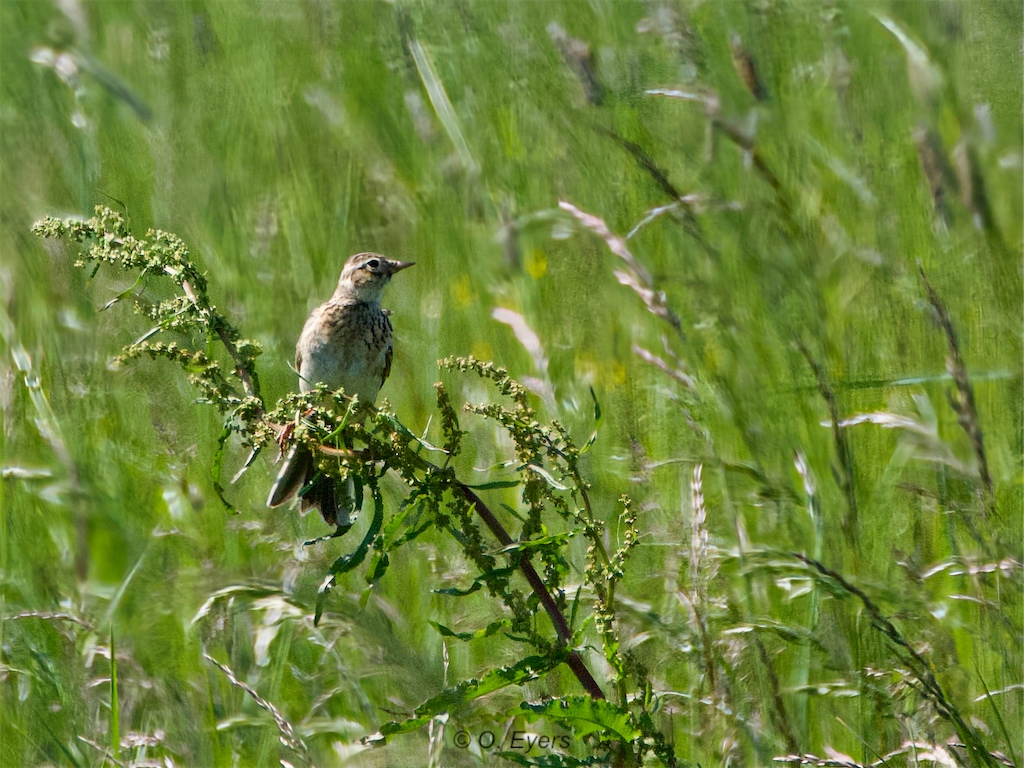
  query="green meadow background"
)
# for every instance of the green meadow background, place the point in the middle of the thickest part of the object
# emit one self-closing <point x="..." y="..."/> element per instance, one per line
<point x="279" y="137"/>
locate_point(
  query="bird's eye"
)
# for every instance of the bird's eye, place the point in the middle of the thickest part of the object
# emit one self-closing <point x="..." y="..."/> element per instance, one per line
<point x="373" y="264"/>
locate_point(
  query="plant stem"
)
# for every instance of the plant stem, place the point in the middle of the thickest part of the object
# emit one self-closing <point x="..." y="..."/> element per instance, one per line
<point x="574" y="661"/>
<point x="241" y="367"/>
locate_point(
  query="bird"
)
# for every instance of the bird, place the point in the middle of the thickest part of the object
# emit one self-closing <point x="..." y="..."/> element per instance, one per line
<point x="346" y="344"/>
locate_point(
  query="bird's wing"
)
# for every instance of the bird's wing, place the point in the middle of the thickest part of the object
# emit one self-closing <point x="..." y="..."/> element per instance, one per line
<point x="295" y="472"/>
<point x="312" y="323"/>
<point x="388" y="354"/>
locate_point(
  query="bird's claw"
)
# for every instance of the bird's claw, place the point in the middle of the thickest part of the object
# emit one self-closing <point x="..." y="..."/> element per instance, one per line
<point x="284" y="436"/>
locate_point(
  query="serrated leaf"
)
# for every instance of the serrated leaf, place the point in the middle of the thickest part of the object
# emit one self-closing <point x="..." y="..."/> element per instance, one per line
<point x="554" y="760"/>
<point x="556" y="539"/>
<point x="585" y="716"/>
<point x="524" y="671"/>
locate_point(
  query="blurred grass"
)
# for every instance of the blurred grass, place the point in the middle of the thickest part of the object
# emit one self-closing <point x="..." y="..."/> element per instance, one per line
<point x="284" y="136"/>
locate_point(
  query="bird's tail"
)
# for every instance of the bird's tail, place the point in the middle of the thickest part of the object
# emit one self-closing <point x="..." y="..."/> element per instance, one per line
<point x="291" y="477"/>
<point x="298" y="476"/>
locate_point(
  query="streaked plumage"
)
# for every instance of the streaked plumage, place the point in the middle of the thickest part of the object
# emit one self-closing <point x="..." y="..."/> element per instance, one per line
<point x="346" y="344"/>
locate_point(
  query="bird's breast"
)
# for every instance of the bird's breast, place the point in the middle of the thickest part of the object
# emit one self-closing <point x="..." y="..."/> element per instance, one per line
<point x="345" y="346"/>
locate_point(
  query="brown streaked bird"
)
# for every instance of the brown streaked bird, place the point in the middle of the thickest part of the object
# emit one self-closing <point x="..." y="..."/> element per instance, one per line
<point x="345" y="344"/>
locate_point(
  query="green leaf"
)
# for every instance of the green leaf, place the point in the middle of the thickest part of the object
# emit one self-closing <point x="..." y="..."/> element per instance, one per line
<point x="490" y="629"/>
<point x="395" y="523"/>
<point x="555" y="539"/>
<point x="554" y="760"/>
<point x="524" y="671"/>
<point x="346" y="563"/>
<point x="495" y="484"/>
<point x="378" y="566"/>
<point x="456" y="592"/>
<point x="413" y="533"/>
<point x="585" y="716"/>
<point x="479" y="581"/>
<point x="575" y="607"/>
<point x="218" y="463"/>
<point x="598" y="418"/>
<point x="514" y="513"/>
<point x="393" y="539"/>
<point x="124" y="295"/>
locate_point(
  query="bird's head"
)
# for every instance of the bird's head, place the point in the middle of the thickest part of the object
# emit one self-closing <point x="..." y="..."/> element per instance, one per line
<point x="366" y="274"/>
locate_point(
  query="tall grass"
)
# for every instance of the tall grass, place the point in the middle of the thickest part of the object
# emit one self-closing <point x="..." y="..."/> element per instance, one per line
<point x="779" y="243"/>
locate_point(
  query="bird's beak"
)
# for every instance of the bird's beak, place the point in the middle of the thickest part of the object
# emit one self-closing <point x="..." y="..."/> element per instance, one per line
<point x="398" y="266"/>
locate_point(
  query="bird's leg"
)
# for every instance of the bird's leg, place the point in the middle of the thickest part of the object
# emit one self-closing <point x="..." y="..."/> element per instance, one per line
<point x="284" y="437"/>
